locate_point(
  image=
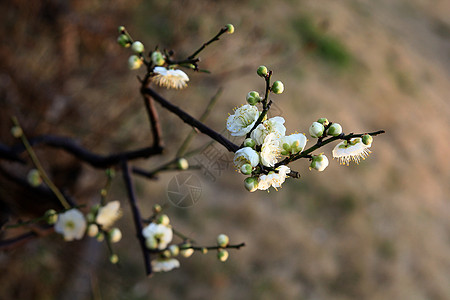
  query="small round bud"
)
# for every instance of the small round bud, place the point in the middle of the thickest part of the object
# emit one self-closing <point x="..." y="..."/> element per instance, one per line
<point x="186" y="252"/>
<point x="222" y="255"/>
<point x="121" y="29"/>
<point x="90" y="217"/>
<point x="223" y="240"/>
<point x="51" y="216"/>
<point x="34" y="178"/>
<point x="114" y="259"/>
<point x="204" y="250"/>
<point x="319" y="162"/>
<point x="335" y="129"/>
<point x="367" y="139"/>
<point x="103" y="192"/>
<point x="158" y="58"/>
<point x="163" y="220"/>
<point x="253" y="98"/>
<point x="262" y="71"/>
<point x="151" y="243"/>
<point x="316" y="130"/>
<point x="323" y="121"/>
<point x="250" y="143"/>
<point x="157" y="208"/>
<point x="166" y="254"/>
<point x="124" y="41"/>
<point x="115" y="235"/>
<point x="16" y="132"/>
<point x="92" y="230"/>
<point x="100" y="237"/>
<point x="182" y="164"/>
<point x="230" y="28"/>
<point x="134" y="62"/>
<point x="251" y="184"/>
<point x="246" y="169"/>
<point x="278" y="87"/>
<point x="137" y="47"/>
<point x="174" y="250"/>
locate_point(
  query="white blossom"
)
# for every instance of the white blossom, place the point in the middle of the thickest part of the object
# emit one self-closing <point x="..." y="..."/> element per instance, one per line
<point x="296" y="142"/>
<point x="243" y="120"/>
<point x="347" y="151"/>
<point x="244" y="156"/>
<point x="108" y="214"/>
<point x="175" y="79"/>
<point x="71" y="224"/>
<point x="157" y="235"/>
<point x="270" y="150"/>
<point x="165" y="264"/>
<point x="272" y="125"/>
<point x="273" y="179"/>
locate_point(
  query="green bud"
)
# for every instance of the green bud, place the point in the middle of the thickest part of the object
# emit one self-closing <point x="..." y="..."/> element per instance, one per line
<point x="253" y="98"/>
<point x="222" y="240"/>
<point x="121" y="29"/>
<point x="316" y="130"/>
<point x="230" y="28"/>
<point x="34" y="178"/>
<point x="319" y="162"/>
<point x="250" y="143"/>
<point x="174" y="250"/>
<point x="90" y="217"/>
<point x="16" y="131"/>
<point x="323" y="121"/>
<point x="134" y="62"/>
<point x="251" y="184"/>
<point x="137" y="47"/>
<point x="157" y="208"/>
<point x="335" y="129"/>
<point x="158" y="58"/>
<point x="124" y="41"/>
<point x="284" y="152"/>
<point x="151" y="243"/>
<point x="286" y="147"/>
<point x="51" y="216"/>
<point x="114" y="235"/>
<point x="262" y="71"/>
<point x="114" y="259"/>
<point x="92" y="230"/>
<point x="222" y="255"/>
<point x="246" y="169"/>
<point x="278" y="87"/>
<point x="367" y="139"/>
<point x="163" y="220"/>
<point x="100" y="237"/>
<point x="182" y="164"/>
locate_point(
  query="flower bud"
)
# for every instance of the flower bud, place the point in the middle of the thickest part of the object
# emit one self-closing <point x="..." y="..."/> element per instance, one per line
<point x="230" y="28"/>
<point x="156" y="208"/>
<point x="16" y="131"/>
<point x="250" y="143"/>
<point x="185" y="251"/>
<point x="51" y="216"/>
<point x="137" y="47"/>
<point x="253" y="98"/>
<point x="166" y="253"/>
<point x="121" y="29"/>
<point x="262" y="71"/>
<point x="124" y="41"/>
<point x="251" y="184"/>
<point x="323" y="121"/>
<point x="182" y="164"/>
<point x="100" y="237"/>
<point x="174" y="250"/>
<point x="115" y="235"/>
<point x="367" y="139"/>
<point x="277" y="87"/>
<point x="114" y="259"/>
<point x="316" y="130"/>
<point x="158" y="58"/>
<point x="34" y="178"/>
<point x="151" y="243"/>
<point x="319" y="162"/>
<point x="103" y="193"/>
<point x="334" y="130"/>
<point x="163" y="220"/>
<point x="134" y="62"/>
<point x="222" y="255"/>
<point x="204" y="250"/>
<point x="246" y="169"/>
<point x="90" y="217"/>
<point x="223" y="240"/>
<point x="92" y="230"/>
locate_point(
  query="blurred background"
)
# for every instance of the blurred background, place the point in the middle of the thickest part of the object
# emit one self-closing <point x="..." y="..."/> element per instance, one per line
<point x="380" y="230"/>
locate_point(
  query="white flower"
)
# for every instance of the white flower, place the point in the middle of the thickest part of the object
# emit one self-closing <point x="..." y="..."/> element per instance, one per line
<point x="295" y="143"/>
<point x="164" y="264"/>
<point x="272" y="125"/>
<point x="175" y="79"/>
<point x="71" y="224"/>
<point x="270" y="150"/>
<point x="108" y="214"/>
<point x="352" y="150"/>
<point x="319" y="162"/>
<point x="157" y="235"/>
<point x="244" y="156"/>
<point x="273" y="179"/>
<point x="243" y="120"/>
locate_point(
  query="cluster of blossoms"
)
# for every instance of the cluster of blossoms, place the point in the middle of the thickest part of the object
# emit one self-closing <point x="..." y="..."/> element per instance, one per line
<point x="266" y="141"/>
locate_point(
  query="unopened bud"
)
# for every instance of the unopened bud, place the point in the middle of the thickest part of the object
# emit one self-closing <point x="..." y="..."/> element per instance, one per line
<point x="222" y="255"/>
<point x="100" y="237"/>
<point x="137" y="47"/>
<point x="204" y="250"/>
<point x="250" y="143"/>
<point x="16" y="131"/>
<point x="246" y="169"/>
<point x="223" y="240"/>
<point x="251" y="184"/>
<point x="51" y="216"/>
<point x="151" y="243"/>
<point x="319" y="162"/>
<point x="124" y="41"/>
<point x="262" y="71"/>
<point x="92" y="230"/>
<point x="163" y="220"/>
<point x="230" y="28"/>
<point x="182" y="164"/>
<point x="34" y="178"/>
<point x="253" y="98"/>
<point x="156" y="208"/>
<point x="158" y="58"/>
<point x="323" y="121"/>
<point x="278" y="87"/>
<point x="115" y="235"/>
<point x="174" y="250"/>
<point x="134" y="62"/>
<point x="316" y="130"/>
<point x="367" y="139"/>
<point x="185" y="251"/>
<point x="114" y="259"/>
<point x="335" y="129"/>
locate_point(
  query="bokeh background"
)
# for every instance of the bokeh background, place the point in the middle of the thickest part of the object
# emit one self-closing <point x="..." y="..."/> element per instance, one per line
<point x="380" y="230"/>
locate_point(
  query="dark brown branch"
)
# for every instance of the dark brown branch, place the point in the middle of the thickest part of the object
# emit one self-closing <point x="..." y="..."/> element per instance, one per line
<point x="155" y="125"/>
<point x="23" y="238"/>
<point x="191" y="120"/>
<point x="98" y="161"/>
<point x="136" y="215"/>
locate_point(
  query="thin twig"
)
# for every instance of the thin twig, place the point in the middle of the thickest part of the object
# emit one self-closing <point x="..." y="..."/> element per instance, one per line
<point x="155" y="125"/>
